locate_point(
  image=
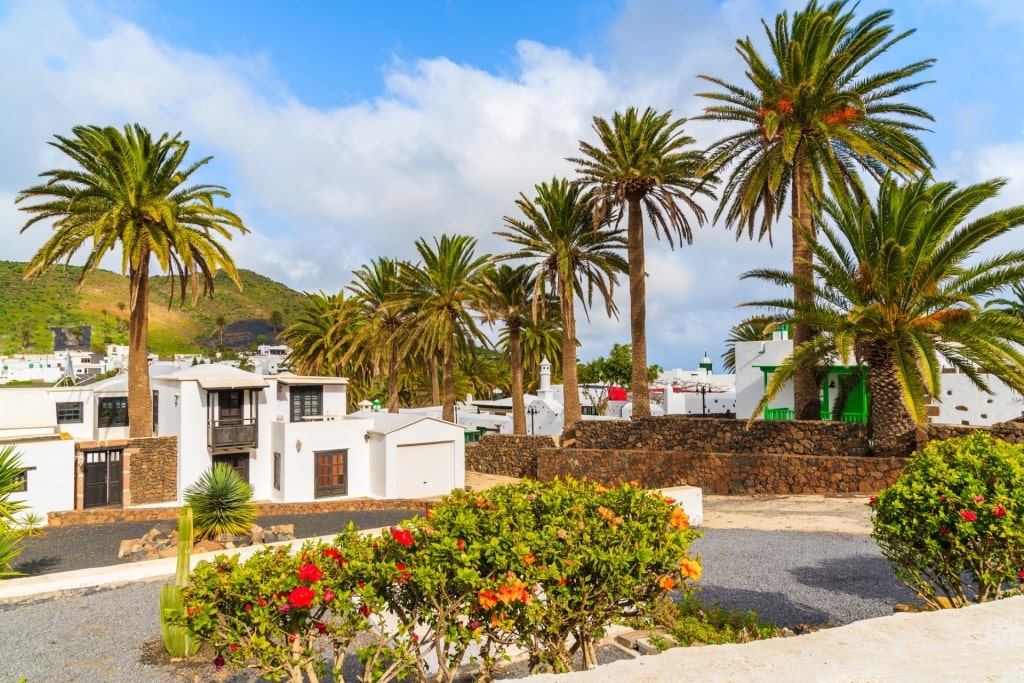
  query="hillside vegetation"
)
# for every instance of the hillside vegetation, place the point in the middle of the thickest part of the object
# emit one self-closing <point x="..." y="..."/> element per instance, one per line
<point x="28" y="308"/>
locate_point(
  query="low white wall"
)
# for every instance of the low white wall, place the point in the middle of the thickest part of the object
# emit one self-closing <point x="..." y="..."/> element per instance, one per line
<point x="51" y="474"/>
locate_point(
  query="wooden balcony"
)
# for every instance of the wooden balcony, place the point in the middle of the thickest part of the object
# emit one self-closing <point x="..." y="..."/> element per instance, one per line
<point x="222" y="434"/>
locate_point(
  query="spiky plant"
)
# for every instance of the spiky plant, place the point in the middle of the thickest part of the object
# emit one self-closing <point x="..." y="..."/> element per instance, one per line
<point x="177" y="639"/>
<point x="221" y="503"/>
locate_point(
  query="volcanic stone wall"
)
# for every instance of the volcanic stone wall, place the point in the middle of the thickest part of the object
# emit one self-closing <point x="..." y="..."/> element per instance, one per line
<point x="704" y="435"/>
<point x="507" y="455"/>
<point x="154" y="470"/>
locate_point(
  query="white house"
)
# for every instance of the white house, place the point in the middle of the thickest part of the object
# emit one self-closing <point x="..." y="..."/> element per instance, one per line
<point x="288" y="436"/>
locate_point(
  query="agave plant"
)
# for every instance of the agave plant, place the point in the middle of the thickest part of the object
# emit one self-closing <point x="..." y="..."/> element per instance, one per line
<point x="221" y="503"/>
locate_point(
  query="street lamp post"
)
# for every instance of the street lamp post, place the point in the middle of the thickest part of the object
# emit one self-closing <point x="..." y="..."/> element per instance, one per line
<point x="703" y="389"/>
<point x="531" y="411"/>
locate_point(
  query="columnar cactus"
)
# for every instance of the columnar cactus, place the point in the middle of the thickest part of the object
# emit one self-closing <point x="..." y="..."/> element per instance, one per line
<point x="177" y="640"/>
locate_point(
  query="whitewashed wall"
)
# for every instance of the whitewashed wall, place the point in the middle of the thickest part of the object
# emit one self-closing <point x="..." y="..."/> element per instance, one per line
<point x="750" y="379"/>
<point x="51" y="473"/>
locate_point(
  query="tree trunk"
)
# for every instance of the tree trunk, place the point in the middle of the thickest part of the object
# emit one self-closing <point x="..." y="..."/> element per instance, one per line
<point x="637" y="310"/>
<point x="435" y="381"/>
<point x="140" y="400"/>
<point x="571" y="412"/>
<point x="806" y="398"/>
<point x="448" y="386"/>
<point x="393" y="376"/>
<point x="891" y="424"/>
<point x="515" y="353"/>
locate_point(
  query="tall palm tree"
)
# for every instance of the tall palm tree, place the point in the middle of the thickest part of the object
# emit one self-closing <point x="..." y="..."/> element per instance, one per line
<point x="574" y="256"/>
<point x="442" y="292"/>
<point x="898" y="286"/>
<point x="507" y="297"/>
<point x="812" y="111"/>
<point x="377" y="288"/>
<point x="132" y="190"/>
<point x="314" y="334"/>
<point x="751" y="329"/>
<point x="641" y="163"/>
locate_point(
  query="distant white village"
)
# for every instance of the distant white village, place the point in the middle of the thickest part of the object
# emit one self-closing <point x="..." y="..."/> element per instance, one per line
<point x="292" y="437"/>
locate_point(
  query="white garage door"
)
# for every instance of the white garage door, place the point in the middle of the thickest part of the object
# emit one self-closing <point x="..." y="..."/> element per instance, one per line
<point x="424" y="469"/>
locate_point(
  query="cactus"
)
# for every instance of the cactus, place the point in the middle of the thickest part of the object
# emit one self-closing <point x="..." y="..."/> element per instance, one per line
<point x="178" y="641"/>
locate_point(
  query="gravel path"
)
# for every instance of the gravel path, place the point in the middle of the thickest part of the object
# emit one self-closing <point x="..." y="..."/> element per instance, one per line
<point x="63" y="549"/>
<point x="788" y="578"/>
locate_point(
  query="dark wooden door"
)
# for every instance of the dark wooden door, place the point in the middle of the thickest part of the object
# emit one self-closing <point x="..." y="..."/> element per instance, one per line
<point x="240" y="461"/>
<point x="103" y="481"/>
<point x="331" y="473"/>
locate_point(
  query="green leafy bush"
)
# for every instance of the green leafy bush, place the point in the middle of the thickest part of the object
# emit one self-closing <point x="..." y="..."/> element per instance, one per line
<point x="540" y="567"/>
<point x="690" y="621"/>
<point x="12" y="531"/>
<point x="221" y="503"/>
<point x="952" y="525"/>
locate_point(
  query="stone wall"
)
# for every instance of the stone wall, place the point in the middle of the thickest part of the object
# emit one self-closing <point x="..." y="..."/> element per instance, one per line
<point x="723" y="473"/>
<point x="690" y="434"/>
<point x="506" y="455"/>
<point x="1010" y="432"/>
<point x="154" y="470"/>
<point x="105" y="515"/>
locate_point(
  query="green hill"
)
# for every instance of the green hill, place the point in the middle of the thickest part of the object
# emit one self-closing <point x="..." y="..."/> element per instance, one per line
<point x="28" y="308"/>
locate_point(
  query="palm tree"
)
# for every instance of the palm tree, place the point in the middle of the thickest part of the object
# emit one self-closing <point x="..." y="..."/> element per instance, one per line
<point x="895" y="289"/>
<point x="1013" y="306"/>
<point x="641" y="163"/>
<point x="220" y="322"/>
<point x="132" y="190"/>
<point x="573" y="256"/>
<point x="442" y="292"/>
<point x="314" y="333"/>
<point x="812" y="112"/>
<point x="507" y="296"/>
<point x="377" y="288"/>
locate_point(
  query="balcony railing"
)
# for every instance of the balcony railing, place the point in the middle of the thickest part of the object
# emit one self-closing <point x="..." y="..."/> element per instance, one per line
<point x="779" y="414"/>
<point x="232" y="433"/>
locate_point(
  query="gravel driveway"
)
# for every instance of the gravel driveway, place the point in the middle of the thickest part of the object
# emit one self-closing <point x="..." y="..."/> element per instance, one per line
<point x="788" y="578"/>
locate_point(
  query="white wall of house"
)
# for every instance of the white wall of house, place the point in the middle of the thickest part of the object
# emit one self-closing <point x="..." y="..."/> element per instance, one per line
<point x="691" y="402"/>
<point x="26" y="407"/>
<point x="421" y="459"/>
<point x="50" y="468"/>
<point x="961" y="402"/>
<point x="750" y="379"/>
<point x="298" y="474"/>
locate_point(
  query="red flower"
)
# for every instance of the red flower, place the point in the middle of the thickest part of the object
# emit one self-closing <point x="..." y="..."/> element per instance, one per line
<point x="263" y="603"/>
<point x="943" y="532"/>
<point x="979" y="499"/>
<point x="310" y="573"/>
<point x="462" y="546"/>
<point x="998" y="511"/>
<point x="302" y="596"/>
<point x="1021" y="575"/>
<point x="218" y="662"/>
<point x="872" y="500"/>
<point x="403" y="536"/>
<point x="365" y="611"/>
<point x="969" y="515"/>
<point x="332" y="553"/>
<point x="561" y="581"/>
<point x="328" y="595"/>
<point x="233" y="647"/>
<point x="321" y="626"/>
<point x="248" y="607"/>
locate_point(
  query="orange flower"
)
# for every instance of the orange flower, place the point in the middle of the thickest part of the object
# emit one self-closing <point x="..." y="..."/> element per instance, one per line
<point x="529" y="559"/>
<point x="609" y="515"/>
<point x="667" y="583"/>
<point x="691" y="569"/>
<point x="679" y="519"/>
<point x="513" y="591"/>
<point x="487" y="598"/>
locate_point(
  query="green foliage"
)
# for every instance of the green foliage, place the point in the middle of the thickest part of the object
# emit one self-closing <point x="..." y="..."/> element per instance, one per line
<point x="691" y="622"/>
<point x="539" y="567"/>
<point x="12" y="530"/>
<point x="616" y="369"/>
<point x="273" y="610"/>
<point x="177" y="639"/>
<point x="221" y="503"/>
<point x="952" y="525"/>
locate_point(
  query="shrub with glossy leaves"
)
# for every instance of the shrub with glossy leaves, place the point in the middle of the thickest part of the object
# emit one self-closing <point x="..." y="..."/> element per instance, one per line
<point x="952" y="525"/>
<point x="221" y="503"/>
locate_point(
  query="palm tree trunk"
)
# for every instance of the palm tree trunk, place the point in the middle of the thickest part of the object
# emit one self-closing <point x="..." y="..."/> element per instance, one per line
<point x="140" y="400"/>
<point x="448" y="386"/>
<point x="571" y="412"/>
<point x="435" y="380"/>
<point x="637" y="310"/>
<point x="515" y="353"/>
<point x="892" y="426"/>
<point x="393" y="376"/>
<point x="806" y="399"/>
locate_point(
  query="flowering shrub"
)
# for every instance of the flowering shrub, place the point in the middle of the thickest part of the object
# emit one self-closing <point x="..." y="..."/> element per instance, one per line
<point x="273" y="610"/>
<point x="952" y="525"/>
<point x="543" y="567"/>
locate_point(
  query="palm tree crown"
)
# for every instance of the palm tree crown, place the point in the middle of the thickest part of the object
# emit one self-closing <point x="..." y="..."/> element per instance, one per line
<point x="812" y="112"/>
<point x="642" y="163"/>
<point x="573" y="257"/>
<point x="895" y="289"/>
<point x="442" y="292"/>
<point x="132" y="190"/>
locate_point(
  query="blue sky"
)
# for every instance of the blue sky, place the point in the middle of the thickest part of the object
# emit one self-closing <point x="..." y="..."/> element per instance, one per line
<point x="347" y="130"/>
